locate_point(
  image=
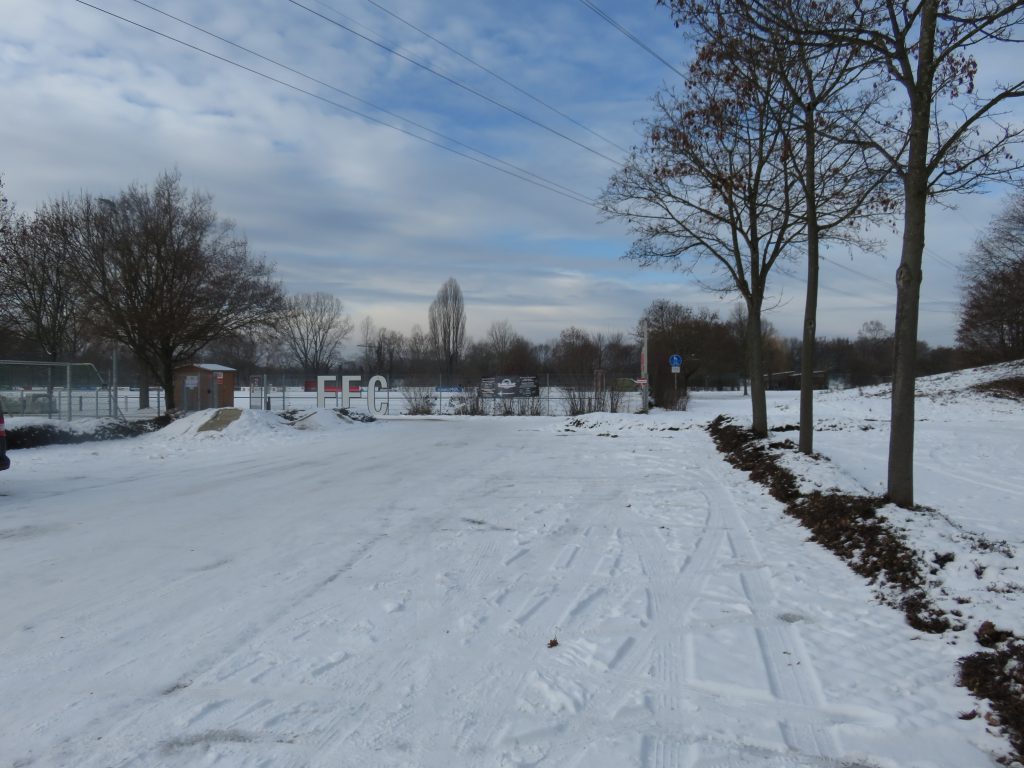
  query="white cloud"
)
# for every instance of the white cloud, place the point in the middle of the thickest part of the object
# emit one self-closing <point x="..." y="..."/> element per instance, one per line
<point x="375" y="216"/>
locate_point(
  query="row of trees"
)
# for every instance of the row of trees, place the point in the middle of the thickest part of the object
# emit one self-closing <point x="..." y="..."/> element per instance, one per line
<point x="713" y="349"/>
<point x="158" y="273"/>
<point x="801" y="121"/>
<point x="155" y="271"/>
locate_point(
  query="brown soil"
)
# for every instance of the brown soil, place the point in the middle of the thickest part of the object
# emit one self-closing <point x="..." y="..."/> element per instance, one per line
<point x="849" y="526"/>
<point x="998" y="675"/>
<point x="1011" y="388"/>
<point x="852" y="528"/>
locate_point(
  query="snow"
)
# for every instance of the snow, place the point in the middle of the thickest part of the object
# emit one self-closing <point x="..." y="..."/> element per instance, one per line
<point x="321" y="592"/>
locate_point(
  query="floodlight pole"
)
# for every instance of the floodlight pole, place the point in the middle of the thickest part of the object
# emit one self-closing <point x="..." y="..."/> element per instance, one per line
<point x="111" y="207"/>
<point x="643" y="374"/>
<point x="113" y="381"/>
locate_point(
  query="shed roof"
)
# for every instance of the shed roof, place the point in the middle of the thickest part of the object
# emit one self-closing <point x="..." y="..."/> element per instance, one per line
<point x="206" y="367"/>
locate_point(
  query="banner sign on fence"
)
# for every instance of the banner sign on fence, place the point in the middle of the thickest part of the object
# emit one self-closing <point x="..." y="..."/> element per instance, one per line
<point x="510" y="386"/>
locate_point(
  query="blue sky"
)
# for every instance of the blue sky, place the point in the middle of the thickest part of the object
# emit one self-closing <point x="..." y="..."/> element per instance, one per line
<point x="372" y="215"/>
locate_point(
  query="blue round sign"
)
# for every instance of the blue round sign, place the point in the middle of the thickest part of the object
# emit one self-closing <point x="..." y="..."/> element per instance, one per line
<point x="675" y="360"/>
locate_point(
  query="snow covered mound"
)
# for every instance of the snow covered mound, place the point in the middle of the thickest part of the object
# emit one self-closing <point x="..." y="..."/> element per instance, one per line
<point x="252" y="426"/>
<point x="947" y="387"/>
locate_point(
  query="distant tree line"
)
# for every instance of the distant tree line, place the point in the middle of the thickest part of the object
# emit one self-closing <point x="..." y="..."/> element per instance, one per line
<point x="158" y="273"/>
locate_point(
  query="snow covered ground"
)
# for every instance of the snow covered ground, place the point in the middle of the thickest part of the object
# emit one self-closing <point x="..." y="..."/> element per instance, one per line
<point x="330" y="593"/>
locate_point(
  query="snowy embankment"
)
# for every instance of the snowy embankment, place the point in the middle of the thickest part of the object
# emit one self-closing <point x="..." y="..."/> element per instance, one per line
<point x="327" y="593"/>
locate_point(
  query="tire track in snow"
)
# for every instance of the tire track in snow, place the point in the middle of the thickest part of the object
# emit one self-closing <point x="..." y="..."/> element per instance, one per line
<point x="799" y="708"/>
<point x="568" y="578"/>
<point x="203" y="680"/>
<point x="647" y="690"/>
<point x="794" y="681"/>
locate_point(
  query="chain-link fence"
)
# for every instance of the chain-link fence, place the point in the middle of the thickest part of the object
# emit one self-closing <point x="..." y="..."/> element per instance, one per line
<point x="54" y="390"/>
<point x="77" y="390"/>
<point x="544" y="395"/>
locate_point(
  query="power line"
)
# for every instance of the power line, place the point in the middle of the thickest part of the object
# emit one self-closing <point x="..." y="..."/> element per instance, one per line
<point x="941" y="259"/>
<point x="881" y="282"/>
<point x="631" y="36"/>
<point x="360" y="100"/>
<point x="573" y="196"/>
<point x="453" y="81"/>
<point x="853" y="271"/>
<point x="486" y="69"/>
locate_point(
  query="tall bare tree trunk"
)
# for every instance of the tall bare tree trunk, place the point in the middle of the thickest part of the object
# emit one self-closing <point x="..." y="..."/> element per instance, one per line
<point x="168" y="384"/>
<point x="908" y="276"/>
<point x="908" y="296"/>
<point x="755" y="369"/>
<point x="144" y="382"/>
<point x="811" y="302"/>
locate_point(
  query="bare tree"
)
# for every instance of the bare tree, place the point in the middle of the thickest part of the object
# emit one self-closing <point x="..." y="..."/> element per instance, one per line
<point x="41" y="302"/>
<point x="162" y="274"/>
<point x="940" y="134"/>
<point x="992" y="312"/>
<point x="953" y="139"/>
<point x="387" y="349"/>
<point x="418" y="350"/>
<point x="448" y="326"/>
<point x="501" y="337"/>
<point x="842" y="184"/>
<point x="314" y="327"/>
<point x="576" y="354"/>
<point x="710" y="183"/>
<point x="367" y="342"/>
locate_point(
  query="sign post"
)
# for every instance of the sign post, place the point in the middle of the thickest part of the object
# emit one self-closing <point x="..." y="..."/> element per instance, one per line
<point x="676" y="361"/>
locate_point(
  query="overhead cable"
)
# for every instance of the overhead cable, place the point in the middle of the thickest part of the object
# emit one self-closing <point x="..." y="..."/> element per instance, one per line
<point x="352" y="96"/>
<point x="571" y="195"/>
<point x="456" y="83"/>
<point x="488" y="70"/>
<point x="631" y="36"/>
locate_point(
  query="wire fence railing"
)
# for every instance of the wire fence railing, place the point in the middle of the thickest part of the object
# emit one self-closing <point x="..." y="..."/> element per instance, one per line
<point x="425" y="401"/>
<point x="77" y="391"/>
<point x="55" y="390"/>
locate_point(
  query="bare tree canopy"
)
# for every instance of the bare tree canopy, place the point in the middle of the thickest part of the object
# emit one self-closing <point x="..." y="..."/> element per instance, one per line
<point x="501" y="337"/>
<point x="992" y="313"/>
<point x="711" y="183"/>
<point x="41" y="300"/>
<point x="947" y="135"/>
<point x="448" y="326"/>
<point x="313" y="328"/>
<point x="842" y="183"/>
<point x="162" y="274"/>
<point x="940" y="128"/>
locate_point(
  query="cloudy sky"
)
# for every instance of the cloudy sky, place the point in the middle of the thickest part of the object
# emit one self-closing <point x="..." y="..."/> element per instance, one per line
<point x="343" y="203"/>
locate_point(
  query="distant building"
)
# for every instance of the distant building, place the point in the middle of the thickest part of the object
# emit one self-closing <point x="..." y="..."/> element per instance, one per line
<point x="204" y="385"/>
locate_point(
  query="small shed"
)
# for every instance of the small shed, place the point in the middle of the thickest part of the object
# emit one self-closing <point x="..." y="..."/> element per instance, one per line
<point x="204" y="385"/>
